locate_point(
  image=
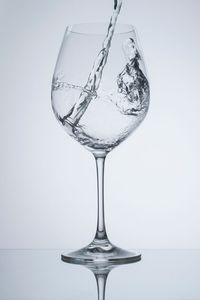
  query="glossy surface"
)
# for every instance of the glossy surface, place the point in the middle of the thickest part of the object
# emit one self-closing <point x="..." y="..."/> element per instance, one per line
<point x="40" y="274"/>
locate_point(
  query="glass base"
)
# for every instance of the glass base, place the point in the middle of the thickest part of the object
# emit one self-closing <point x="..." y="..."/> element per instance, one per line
<point x="101" y="253"/>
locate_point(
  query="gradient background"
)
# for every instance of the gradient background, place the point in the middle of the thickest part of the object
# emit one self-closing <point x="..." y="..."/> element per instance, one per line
<point x="48" y="183"/>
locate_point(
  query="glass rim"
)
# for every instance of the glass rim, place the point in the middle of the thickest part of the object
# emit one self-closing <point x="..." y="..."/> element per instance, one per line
<point x="78" y="28"/>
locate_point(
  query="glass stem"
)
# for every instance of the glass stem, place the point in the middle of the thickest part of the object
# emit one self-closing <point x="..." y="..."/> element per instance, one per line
<point x="101" y="229"/>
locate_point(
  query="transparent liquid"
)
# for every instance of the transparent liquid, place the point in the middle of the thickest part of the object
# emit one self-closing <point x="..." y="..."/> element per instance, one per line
<point x="96" y="73"/>
<point x="98" y="118"/>
<point x="108" y="120"/>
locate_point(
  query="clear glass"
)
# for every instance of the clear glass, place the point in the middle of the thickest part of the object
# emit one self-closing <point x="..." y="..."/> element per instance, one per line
<point x="100" y="107"/>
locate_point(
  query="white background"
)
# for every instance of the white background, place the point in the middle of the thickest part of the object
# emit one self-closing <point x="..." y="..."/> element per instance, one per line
<point x="48" y="184"/>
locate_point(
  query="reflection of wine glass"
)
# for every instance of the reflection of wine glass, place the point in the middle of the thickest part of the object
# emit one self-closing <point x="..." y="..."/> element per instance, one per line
<point x="100" y="106"/>
<point x="101" y="273"/>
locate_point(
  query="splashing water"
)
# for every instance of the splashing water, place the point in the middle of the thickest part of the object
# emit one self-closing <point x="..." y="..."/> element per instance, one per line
<point x="95" y="75"/>
<point x="133" y="88"/>
<point x="126" y="107"/>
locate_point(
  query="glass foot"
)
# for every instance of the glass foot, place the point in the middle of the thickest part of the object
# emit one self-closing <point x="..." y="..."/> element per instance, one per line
<point x="101" y="253"/>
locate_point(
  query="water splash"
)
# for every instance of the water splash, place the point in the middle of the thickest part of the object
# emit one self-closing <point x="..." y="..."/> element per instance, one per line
<point x="122" y="109"/>
<point x="133" y="88"/>
<point x="95" y="75"/>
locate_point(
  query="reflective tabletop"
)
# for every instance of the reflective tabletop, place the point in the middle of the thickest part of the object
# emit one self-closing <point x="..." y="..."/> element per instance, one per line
<point x="40" y="274"/>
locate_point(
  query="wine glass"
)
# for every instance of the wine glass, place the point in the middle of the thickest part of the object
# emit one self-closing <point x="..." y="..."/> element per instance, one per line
<point x="100" y="95"/>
